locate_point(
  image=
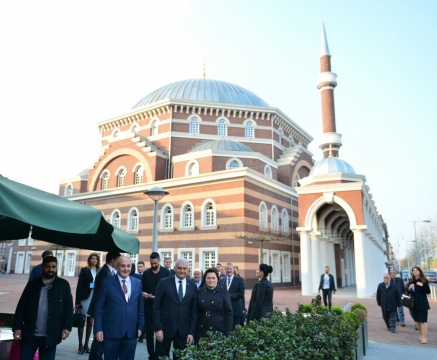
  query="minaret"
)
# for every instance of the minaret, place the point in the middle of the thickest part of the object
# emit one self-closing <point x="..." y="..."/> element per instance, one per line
<point x="326" y="83"/>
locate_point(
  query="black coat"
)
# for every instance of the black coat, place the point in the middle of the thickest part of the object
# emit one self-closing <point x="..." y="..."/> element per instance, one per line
<point x="388" y="298"/>
<point x="149" y="283"/>
<point x="169" y="314"/>
<point x="419" y="294"/>
<point x="214" y="312"/>
<point x="103" y="273"/>
<point x="60" y="310"/>
<point x="261" y="301"/>
<point x="83" y="289"/>
<point x="400" y="284"/>
<point x="236" y="294"/>
<point x="331" y="282"/>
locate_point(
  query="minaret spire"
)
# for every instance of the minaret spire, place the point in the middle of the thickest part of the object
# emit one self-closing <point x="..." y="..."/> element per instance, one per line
<point x="326" y="83"/>
<point x="204" y="71"/>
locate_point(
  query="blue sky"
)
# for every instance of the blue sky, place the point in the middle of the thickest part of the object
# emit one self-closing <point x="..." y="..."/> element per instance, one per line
<point x="65" y="66"/>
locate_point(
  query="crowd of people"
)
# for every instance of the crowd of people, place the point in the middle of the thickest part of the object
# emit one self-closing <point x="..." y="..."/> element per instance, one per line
<point x="389" y="298"/>
<point x="123" y="303"/>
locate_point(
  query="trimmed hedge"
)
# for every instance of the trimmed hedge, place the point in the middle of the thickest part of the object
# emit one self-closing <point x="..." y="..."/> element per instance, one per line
<point x="282" y="336"/>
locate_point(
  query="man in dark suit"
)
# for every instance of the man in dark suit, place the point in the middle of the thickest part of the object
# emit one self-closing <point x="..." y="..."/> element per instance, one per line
<point x="167" y="264"/>
<point x="107" y="270"/>
<point x="387" y="297"/>
<point x="175" y="311"/>
<point x="37" y="270"/>
<point x="119" y="314"/>
<point x="235" y="287"/>
<point x="401" y="289"/>
<point x="327" y="285"/>
<point x="150" y="280"/>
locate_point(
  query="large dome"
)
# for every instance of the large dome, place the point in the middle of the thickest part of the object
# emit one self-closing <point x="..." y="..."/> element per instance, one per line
<point x="222" y="145"/>
<point x="331" y="165"/>
<point x="204" y="90"/>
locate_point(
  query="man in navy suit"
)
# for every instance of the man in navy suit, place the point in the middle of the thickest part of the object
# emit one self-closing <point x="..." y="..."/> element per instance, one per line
<point x="107" y="270"/>
<point x="235" y="286"/>
<point x="175" y="311"/>
<point x="119" y="315"/>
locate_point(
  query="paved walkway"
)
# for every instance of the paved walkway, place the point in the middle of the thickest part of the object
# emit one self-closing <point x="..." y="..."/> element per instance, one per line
<point x="383" y="344"/>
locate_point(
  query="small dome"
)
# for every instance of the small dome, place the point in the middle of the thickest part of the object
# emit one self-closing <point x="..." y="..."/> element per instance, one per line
<point x="331" y="165"/>
<point x="203" y="90"/>
<point x="222" y="145"/>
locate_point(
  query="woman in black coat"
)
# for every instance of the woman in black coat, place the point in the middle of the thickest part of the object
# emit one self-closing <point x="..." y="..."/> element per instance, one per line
<point x="261" y="301"/>
<point x="84" y="294"/>
<point x="214" y="309"/>
<point x="418" y="287"/>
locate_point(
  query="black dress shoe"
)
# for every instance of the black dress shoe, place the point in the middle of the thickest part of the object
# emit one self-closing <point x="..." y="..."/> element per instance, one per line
<point x="81" y="350"/>
<point x="140" y="339"/>
<point x="87" y="349"/>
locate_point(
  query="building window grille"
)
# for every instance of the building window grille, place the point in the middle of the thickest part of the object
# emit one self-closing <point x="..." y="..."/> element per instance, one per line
<point x="222" y="128"/>
<point x="194" y="126"/>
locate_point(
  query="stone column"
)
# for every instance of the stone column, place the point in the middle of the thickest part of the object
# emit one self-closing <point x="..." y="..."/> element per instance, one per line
<point x="315" y="262"/>
<point x="305" y="260"/>
<point x="361" y="259"/>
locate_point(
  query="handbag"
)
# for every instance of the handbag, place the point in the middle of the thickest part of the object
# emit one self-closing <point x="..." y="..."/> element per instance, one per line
<point x="407" y="301"/>
<point x="78" y="319"/>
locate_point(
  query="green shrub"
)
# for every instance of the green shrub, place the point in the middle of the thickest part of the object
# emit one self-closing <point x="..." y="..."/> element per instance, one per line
<point x="361" y="314"/>
<point x="358" y="306"/>
<point x="289" y="336"/>
<point x="338" y="310"/>
<point x="305" y="308"/>
<point x="351" y="319"/>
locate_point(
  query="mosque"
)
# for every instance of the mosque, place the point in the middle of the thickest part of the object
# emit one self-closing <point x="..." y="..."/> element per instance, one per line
<point x="242" y="186"/>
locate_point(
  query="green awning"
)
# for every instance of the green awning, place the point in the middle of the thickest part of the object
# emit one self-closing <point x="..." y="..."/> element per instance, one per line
<point x="57" y="220"/>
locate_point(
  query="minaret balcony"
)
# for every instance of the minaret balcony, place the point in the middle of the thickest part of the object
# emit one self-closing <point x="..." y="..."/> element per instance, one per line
<point x="329" y="78"/>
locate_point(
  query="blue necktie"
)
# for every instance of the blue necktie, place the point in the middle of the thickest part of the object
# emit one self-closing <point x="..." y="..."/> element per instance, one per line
<point x="180" y="291"/>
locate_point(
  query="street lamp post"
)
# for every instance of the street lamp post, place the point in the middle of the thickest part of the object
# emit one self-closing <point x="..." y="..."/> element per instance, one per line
<point x="155" y="193"/>
<point x="408" y="258"/>
<point x="415" y="238"/>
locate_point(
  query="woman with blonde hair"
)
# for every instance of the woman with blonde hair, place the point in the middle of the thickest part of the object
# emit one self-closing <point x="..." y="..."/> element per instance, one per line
<point x="418" y="288"/>
<point x="84" y="294"/>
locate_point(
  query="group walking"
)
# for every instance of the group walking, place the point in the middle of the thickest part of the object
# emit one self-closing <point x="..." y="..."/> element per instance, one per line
<point x="123" y="304"/>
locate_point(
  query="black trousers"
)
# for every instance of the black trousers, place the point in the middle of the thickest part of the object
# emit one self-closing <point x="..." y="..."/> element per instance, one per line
<point x="163" y="348"/>
<point x="96" y="351"/>
<point x="149" y="334"/>
<point x="327" y="294"/>
<point x="28" y="347"/>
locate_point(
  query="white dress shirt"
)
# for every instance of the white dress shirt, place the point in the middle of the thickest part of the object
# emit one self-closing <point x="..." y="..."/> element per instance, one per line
<point x="128" y="285"/>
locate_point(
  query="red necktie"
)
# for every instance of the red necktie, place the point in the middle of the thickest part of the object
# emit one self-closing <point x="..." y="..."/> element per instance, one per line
<point x="124" y="286"/>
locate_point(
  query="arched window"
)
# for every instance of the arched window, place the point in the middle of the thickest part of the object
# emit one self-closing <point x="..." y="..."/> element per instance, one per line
<point x="116" y="218"/>
<point x="281" y="134"/>
<point x="168" y="217"/>
<point x="263" y="215"/>
<point x="268" y="171"/>
<point x="133" y="220"/>
<point x="222" y="130"/>
<point x="285" y="222"/>
<point x="139" y="171"/>
<point x="154" y="128"/>
<point x="296" y="180"/>
<point x="187" y="216"/>
<point x="69" y="190"/>
<point x="234" y="163"/>
<point x="291" y="141"/>
<point x="134" y="129"/>
<point x="274" y="219"/>
<point x="192" y="168"/>
<point x="248" y="132"/>
<point x="105" y="180"/>
<point x="194" y="126"/>
<point x="209" y="214"/>
<point x="115" y="134"/>
<point x="121" y="178"/>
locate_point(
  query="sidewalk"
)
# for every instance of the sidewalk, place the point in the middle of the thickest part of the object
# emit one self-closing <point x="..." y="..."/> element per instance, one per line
<point x="383" y="344"/>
